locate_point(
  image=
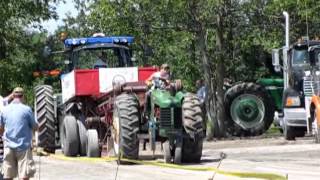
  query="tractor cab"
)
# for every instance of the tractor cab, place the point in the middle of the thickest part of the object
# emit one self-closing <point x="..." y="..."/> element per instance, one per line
<point x="97" y="64"/>
<point x="99" y="52"/>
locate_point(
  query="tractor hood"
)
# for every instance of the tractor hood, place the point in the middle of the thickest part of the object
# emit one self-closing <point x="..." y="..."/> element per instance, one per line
<point x="164" y="99"/>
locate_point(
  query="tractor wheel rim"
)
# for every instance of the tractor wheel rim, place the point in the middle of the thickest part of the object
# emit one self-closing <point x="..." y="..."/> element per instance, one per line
<point x="247" y="111"/>
<point x="116" y="133"/>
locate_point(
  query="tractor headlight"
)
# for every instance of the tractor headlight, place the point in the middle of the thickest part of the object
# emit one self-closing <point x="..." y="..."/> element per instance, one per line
<point x="293" y="101"/>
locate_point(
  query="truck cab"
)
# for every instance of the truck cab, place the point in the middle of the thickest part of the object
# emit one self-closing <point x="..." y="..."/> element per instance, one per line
<point x="297" y="96"/>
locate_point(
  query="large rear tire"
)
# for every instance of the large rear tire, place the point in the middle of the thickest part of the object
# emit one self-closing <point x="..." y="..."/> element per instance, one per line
<point x="249" y="109"/>
<point x="126" y="126"/>
<point x="192" y="119"/>
<point x="192" y="150"/>
<point x="70" y="136"/>
<point x="44" y="113"/>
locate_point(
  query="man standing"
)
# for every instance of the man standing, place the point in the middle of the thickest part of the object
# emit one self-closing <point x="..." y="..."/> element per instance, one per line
<point x="17" y="123"/>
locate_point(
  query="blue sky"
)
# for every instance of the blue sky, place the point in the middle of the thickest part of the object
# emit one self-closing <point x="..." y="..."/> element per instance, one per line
<point x="62" y="10"/>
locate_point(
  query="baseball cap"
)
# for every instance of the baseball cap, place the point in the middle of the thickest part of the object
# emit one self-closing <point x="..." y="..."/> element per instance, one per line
<point x="18" y="91"/>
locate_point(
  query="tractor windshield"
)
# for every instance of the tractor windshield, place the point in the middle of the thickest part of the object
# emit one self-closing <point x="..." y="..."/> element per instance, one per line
<point x="101" y="57"/>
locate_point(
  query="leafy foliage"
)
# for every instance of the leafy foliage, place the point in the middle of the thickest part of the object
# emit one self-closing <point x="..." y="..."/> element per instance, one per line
<point x="182" y="33"/>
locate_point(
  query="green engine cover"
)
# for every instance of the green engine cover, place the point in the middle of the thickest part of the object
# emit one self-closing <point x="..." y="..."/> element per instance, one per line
<point x="164" y="99"/>
<point x="274" y="86"/>
<point x="169" y="123"/>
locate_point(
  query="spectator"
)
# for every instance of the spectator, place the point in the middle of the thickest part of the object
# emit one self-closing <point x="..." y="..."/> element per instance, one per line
<point x="17" y="123"/>
<point x="201" y="90"/>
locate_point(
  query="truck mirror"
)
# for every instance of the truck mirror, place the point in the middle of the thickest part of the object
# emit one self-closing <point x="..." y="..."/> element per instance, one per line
<point x="275" y="57"/>
<point x="275" y="60"/>
<point x="46" y="52"/>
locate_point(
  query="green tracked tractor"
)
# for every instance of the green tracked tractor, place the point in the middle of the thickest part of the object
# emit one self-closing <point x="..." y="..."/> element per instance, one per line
<point x="176" y="120"/>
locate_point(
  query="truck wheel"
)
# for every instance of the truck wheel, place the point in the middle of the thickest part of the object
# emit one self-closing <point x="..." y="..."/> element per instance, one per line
<point x="125" y="127"/>
<point x="192" y="116"/>
<point x="288" y="132"/>
<point x="70" y="136"/>
<point x="249" y="109"/>
<point x="83" y="138"/>
<point x="299" y="131"/>
<point x="44" y="113"/>
<point x="93" y="143"/>
<point x="192" y="150"/>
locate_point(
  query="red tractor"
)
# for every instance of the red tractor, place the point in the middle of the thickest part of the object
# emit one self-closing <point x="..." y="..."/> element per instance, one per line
<point x="102" y="99"/>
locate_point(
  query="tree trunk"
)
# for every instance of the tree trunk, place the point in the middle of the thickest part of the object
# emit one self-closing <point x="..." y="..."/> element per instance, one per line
<point x="201" y="37"/>
<point x="220" y="74"/>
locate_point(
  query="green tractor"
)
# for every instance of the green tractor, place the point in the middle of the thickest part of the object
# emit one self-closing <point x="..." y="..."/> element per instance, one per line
<point x="175" y="118"/>
<point x="252" y="107"/>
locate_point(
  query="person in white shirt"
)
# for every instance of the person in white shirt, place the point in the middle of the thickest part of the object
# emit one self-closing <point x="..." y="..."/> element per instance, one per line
<point x="158" y="78"/>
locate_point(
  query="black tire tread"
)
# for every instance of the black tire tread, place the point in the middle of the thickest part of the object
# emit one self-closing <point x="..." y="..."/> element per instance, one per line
<point x="192" y="118"/>
<point x="44" y="107"/>
<point x="128" y="111"/>
<point x="192" y="150"/>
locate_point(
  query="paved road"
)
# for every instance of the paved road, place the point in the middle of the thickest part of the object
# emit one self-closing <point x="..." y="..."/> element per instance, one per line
<point x="298" y="160"/>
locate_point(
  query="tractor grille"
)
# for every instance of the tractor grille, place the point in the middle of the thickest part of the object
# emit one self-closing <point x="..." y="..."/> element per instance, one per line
<point x="165" y="117"/>
<point x="308" y="86"/>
